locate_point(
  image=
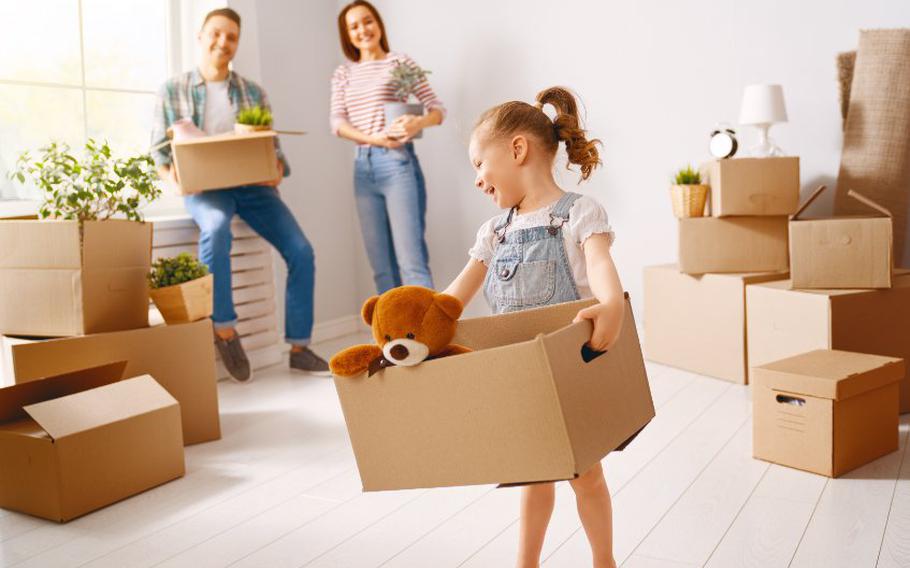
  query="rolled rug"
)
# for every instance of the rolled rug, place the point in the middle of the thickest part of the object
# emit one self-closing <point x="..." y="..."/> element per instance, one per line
<point x="876" y="156"/>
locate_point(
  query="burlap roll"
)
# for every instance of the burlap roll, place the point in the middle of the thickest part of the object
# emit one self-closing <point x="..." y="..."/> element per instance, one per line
<point x="876" y="155"/>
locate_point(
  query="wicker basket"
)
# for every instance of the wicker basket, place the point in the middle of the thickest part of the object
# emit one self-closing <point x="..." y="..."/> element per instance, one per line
<point x="247" y="128"/>
<point x="688" y="200"/>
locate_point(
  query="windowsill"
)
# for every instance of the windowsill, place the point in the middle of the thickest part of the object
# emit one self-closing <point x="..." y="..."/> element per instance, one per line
<point x="18" y="208"/>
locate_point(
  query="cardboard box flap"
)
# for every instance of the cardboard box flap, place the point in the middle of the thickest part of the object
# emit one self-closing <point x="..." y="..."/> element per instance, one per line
<point x="90" y="409"/>
<point x="854" y="194"/>
<point x="831" y="374"/>
<point x="516" y="327"/>
<point x="117" y="243"/>
<point x="40" y="244"/>
<point x="14" y="398"/>
<point x="226" y="137"/>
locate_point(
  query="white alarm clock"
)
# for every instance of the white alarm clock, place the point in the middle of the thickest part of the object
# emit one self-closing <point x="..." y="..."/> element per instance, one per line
<point x="723" y="143"/>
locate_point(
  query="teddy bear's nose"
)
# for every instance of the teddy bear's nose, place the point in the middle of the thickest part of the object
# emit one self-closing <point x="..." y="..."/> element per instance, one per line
<point x="399" y="352"/>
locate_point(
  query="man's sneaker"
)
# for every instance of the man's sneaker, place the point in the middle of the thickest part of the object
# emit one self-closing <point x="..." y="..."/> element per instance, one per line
<point x="234" y="358"/>
<point x="307" y="361"/>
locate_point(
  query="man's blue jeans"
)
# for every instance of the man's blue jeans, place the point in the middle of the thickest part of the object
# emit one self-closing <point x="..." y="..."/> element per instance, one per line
<point x="391" y="198"/>
<point x="265" y="212"/>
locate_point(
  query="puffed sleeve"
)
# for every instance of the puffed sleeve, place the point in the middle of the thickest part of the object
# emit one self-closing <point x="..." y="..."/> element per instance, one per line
<point x="588" y="217"/>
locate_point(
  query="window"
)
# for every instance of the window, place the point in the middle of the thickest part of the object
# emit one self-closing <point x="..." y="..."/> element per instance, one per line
<point x="78" y="69"/>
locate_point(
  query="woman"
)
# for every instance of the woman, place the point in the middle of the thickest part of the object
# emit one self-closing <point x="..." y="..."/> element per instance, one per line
<point x="388" y="182"/>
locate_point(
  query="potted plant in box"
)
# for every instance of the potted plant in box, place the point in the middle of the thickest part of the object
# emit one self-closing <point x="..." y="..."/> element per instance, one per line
<point x="405" y="79"/>
<point x="181" y="288"/>
<point x="253" y="119"/>
<point x="688" y="194"/>
<point x="90" y="229"/>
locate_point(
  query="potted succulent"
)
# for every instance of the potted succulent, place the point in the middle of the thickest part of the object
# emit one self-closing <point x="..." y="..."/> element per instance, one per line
<point x="253" y="119"/>
<point x="90" y="228"/>
<point x="181" y="288"/>
<point x="405" y="79"/>
<point x="688" y="194"/>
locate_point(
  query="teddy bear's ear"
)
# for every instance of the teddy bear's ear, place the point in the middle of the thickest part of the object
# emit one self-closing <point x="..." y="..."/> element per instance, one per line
<point x="450" y="305"/>
<point x="366" y="312"/>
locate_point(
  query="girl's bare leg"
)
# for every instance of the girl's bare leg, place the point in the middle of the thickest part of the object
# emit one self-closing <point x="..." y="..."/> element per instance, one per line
<point x="596" y="513"/>
<point x="536" y="509"/>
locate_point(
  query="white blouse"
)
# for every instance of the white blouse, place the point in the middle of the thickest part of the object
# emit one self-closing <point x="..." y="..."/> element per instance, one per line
<point x="586" y="217"/>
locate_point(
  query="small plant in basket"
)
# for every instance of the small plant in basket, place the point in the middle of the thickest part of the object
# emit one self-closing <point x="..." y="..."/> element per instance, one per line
<point x="252" y="119"/>
<point x="181" y="288"/>
<point x="688" y="194"/>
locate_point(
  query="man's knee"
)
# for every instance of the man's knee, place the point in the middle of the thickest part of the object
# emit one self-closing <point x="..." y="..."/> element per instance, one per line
<point x="299" y="252"/>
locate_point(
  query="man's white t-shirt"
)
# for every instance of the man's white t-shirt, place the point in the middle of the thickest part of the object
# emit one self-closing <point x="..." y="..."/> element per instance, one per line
<point x="219" y="114"/>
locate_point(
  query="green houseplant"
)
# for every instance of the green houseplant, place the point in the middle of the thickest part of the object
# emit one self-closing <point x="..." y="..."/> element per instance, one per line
<point x="90" y="229"/>
<point x="405" y="80"/>
<point x="252" y="119"/>
<point x="181" y="288"/>
<point x="688" y="194"/>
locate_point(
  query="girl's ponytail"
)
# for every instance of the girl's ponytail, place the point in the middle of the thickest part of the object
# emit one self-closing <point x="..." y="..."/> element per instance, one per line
<point x="581" y="151"/>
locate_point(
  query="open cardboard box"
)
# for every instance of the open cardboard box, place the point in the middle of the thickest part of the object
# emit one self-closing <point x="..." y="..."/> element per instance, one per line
<point x="525" y="406"/>
<point x="225" y="160"/>
<point x="733" y="244"/>
<point x="783" y="322"/>
<point x="180" y="357"/>
<point x="698" y="323"/>
<point x="754" y="186"/>
<point x="826" y="411"/>
<point x="842" y="252"/>
<point x="56" y="280"/>
<point x="76" y="442"/>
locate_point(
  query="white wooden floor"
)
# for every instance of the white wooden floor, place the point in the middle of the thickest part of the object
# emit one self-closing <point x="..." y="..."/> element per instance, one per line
<point x="281" y="489"/>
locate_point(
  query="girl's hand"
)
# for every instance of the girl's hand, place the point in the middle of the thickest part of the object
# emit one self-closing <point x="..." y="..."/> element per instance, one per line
<point x="605" y="325"/>
<point x="406" y="127"/>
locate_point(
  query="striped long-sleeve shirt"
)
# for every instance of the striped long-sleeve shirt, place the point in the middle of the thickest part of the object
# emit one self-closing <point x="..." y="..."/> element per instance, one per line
<point x="359" y="91"/>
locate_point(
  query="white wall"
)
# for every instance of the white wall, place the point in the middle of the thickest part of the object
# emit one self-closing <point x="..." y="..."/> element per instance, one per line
<point x="291" y="48"/>
<point x="655" y="78"/>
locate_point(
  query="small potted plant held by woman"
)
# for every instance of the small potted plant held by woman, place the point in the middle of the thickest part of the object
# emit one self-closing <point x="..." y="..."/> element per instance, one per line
<point x="688" y="194"/>
<point x="181" y="288"/>
<point x="405" y="79"/>
<point x="253" y="119"/>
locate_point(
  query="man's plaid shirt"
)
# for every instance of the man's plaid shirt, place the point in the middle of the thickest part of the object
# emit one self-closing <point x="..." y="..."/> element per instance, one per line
<point x="184" y="96"/>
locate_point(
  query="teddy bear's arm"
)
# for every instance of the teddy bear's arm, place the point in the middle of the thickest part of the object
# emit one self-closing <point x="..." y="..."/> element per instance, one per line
<point x="453" y="349"/>
<point x="353" y="360"/>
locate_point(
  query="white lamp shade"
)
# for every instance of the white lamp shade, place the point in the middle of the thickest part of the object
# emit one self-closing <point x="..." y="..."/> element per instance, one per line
<point x="763" y="104"/>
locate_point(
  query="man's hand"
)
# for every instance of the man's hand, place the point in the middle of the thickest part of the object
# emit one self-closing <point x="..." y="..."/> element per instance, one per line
<point x="405" y="127"/>
<point x="606" y="325"/>
<point x="169" y="175"/>
<point x="276" y="181"/>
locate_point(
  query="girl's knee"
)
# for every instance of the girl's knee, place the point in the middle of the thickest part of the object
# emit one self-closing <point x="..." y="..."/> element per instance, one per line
<point x="590" y="481"/>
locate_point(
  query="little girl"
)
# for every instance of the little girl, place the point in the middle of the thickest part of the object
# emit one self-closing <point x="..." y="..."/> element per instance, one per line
<point x="551" y="246"/>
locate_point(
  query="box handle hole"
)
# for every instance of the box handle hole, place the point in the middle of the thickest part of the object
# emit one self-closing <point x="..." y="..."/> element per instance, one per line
<point x="588" y="354"/>
<point x="795" y="401"/>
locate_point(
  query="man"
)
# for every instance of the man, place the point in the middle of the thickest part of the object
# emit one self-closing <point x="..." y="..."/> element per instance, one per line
<point x="212" y="95"/>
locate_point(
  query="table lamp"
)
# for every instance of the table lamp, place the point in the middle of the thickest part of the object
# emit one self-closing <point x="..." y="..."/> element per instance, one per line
<point x="763" y="105"/>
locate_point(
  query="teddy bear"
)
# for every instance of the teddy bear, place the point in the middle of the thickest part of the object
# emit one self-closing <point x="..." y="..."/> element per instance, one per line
<point x="410" y="325"/>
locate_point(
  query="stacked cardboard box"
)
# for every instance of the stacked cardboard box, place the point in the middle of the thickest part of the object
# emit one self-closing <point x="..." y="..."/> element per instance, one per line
<point x="102" y="403"/>
<point x="695" y="313"/>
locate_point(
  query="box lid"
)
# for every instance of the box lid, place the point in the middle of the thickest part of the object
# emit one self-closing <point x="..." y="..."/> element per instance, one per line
<point x="14" y="398"/>
<point x="117" y="243"/>
<point x="828" y="373"/>
<point x="226" y="137"/>
<point x="901" y="279"/>
<point x="90" y="409"/>
<point x="40" y="244"/>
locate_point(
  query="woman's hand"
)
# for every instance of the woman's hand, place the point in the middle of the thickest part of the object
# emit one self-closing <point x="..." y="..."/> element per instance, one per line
<point x="276" y="181"/>
<point x="405" y="127"/>
<point x="384" y="141"/>
<point x="606" y="325"/>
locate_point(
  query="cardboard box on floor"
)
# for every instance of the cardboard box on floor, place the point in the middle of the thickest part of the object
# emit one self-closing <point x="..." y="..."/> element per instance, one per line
<point x="56" y="282"/>
<point x="841" y="252"/>
<point x="753" y="186"/>
<point x="225" y="160"/>
<point x="180" y="357"/>
<point x="826" y="411"/>
<point x="76" y="442"/>
<point x="733" y="244"/>
<point x="524" y="407"/>
<point x="698" y="323"/>
<point x="783" y="322"/>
